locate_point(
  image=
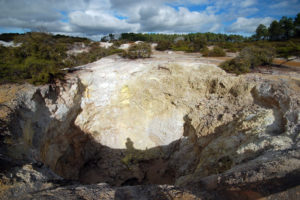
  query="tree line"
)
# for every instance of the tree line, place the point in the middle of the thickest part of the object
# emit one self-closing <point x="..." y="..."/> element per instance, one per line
<point x="284" y="29"/>
<point x="157" y="37"/>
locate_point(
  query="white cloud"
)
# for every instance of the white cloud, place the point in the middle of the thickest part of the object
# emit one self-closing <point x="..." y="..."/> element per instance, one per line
<point x="248" y="25"/>
<point x="99" y="22"/>
<point x="167" y="19"/>
<point x="281" y="4"/>
<point x="248" y="3"/>
<point x="94" y="17"/>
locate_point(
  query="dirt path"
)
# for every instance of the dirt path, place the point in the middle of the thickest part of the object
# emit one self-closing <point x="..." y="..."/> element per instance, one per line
<point x="288" y="64"/>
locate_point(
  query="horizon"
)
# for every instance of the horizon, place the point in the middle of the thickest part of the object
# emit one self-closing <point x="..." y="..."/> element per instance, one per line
<point x="96" y="18"/>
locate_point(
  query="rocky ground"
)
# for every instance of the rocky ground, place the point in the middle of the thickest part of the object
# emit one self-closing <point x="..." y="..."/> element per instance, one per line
<point x="174" y="126"/>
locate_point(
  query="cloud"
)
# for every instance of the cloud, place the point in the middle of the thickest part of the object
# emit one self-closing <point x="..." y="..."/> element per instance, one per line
<point x="98" y="17"/>
<point x="287" y="7"/>
<point x="248" y="3"/>
<point x="248" y="25"/>
<point x="168" y="19"/>
<point x="98" y="22"/>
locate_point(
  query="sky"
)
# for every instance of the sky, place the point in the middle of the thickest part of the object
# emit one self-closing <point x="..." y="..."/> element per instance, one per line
<point x="95" y="18"/>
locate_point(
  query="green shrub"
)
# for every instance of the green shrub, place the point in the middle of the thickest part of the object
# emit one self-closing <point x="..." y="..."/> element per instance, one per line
<point x="199" y="44"/>
<point x="236" y="66"/>
<point x="141" y="50"/>
<point x="117" y="43"/>
<point x="232" y="50"/>
<point x="163" y="45"/>
<point x="215" y="52"/>
<point x="257" y="56"/>
<point x="42" y="56"/>
<point x="289" y="49"/>
<point x="249" y="58"/>
<point x="182" y="45"/>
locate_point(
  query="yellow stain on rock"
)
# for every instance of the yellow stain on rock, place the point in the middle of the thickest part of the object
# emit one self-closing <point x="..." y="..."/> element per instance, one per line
<point x="87" y="93"/>
<point x="125" y="95"/>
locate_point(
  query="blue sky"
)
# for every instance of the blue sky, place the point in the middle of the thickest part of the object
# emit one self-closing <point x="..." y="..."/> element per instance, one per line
<point x="95" y="18"/>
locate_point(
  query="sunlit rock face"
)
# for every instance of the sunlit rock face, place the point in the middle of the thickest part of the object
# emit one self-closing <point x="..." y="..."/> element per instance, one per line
<point x="163" y="120"/>
<point x="140" y="101"/>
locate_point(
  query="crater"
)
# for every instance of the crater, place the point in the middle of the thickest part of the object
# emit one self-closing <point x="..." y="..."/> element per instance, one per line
<point x="94" y="129"/>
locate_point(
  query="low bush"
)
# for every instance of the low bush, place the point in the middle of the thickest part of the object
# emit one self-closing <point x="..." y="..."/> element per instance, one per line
<point x="163" y="45"/>
<point x="232" y="50"/>
<point x="236" y="66"/>
<point x="249" y="58"/>
<point x="198" y="44"/>
<point x="182" y="45"/>
<point x="257" y="56"/>
<point x="141" y="50"/>
<point x="291" y="49"/>
<point x="215" y="52"/>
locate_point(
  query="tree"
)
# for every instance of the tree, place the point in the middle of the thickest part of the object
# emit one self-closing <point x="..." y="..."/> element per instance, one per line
<point x="275" y="31"/>
<point x="111" y="37"/>
<point x="287" y="27"/>
<point x="297" y="25"/>
<point x="261" y="32"/>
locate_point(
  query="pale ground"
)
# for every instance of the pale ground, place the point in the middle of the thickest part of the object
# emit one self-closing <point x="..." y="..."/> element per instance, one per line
<point x="123" y="98"/>
<point x="9" y="44"/>
<point x="105" y="44"/>
<point x="120" y="96"/>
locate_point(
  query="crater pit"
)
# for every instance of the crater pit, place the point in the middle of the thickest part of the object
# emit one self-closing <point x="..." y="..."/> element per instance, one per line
<point x="144" y="122"/>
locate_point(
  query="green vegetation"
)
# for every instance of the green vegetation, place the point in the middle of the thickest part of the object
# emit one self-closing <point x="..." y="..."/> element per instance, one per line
<point x="7" y="37"/>
<point x="182" y="45"/>
<point x="95" y="53"/>
<point x="37" y="60"/>
<point x="140" y="50"/>
<point x="249" y="58"/>
<point x="215" y="52"/>
<point x="284" y="29"/>
<point x="41" y="57"/>
<point x="156" y="37"/>
<point x="163" y="45"/>
<point x="290" y="49"/>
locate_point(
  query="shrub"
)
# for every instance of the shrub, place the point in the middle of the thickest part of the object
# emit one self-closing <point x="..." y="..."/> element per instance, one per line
<point x="199" y="44"/>
<point x="163" y="45"/>
<point x="42" y="56"/>
<point x="232" y="50"/>
<point x="289" y="49"/>
<point x="257" y="55"/>
<point x="117" y="43"/>
<point x="181" y="45"/>
<point x="215" y="52"/>
<point x="236" y="66"/>
<point x="249" y="58"/>
<point x="141" y="50"/>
